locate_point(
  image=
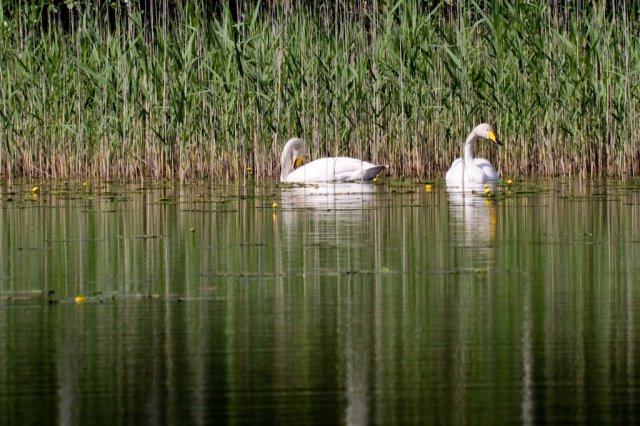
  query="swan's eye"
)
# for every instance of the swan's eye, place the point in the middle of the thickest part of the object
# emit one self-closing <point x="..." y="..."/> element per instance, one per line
<point x="298" y="162"/>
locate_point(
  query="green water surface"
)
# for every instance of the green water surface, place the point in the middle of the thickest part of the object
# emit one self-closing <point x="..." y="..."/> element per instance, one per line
<point x="348" y="304"/>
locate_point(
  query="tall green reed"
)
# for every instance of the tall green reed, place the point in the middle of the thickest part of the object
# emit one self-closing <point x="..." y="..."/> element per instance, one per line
<point x="121" y="91"/>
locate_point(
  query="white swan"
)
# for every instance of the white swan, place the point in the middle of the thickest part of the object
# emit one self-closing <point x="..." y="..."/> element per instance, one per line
<point x="330" y="169"/>
<point x="470" y="170"/>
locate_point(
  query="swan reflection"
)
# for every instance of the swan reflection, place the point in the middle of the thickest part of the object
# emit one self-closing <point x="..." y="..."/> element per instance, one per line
<point x="326" y="218"/>
<point x="329" y="196"/>
<point x="331" y="211"/>
<point x="474" y="220"/>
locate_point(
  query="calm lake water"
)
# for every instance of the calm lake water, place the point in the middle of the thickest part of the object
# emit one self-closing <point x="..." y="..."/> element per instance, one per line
<point x="354" y="304"/>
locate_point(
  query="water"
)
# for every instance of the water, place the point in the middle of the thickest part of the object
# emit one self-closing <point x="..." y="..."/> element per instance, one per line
<point x="341" y="305"/>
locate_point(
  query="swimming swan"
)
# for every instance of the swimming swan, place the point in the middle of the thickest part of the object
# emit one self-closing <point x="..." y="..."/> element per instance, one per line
<point x="470" y="170"/>
<point x="330" y="169"/>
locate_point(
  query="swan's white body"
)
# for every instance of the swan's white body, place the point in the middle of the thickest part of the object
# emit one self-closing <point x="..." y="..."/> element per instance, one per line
<point x="329" y="169"/>
<point x="470" y="170"/>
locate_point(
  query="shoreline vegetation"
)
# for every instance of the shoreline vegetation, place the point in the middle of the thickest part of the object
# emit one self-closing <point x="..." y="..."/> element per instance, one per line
<point x="197" y="89"/>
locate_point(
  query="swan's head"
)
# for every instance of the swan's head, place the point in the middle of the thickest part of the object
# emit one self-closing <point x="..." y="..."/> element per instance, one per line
<point x="486" y="131"/>
<point x="292" y="156"/>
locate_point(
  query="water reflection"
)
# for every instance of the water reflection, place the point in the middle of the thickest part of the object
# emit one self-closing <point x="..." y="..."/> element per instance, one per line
<point x="474" y="220"/>
<point x="358" y="306"/>
<point x="328" y="222"/>
<point x="329" y="196"/>
<point x="335" y="223"/>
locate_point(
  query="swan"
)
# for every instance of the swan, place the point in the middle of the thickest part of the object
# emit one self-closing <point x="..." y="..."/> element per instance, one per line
<point x="329" y="169"/>
<point x="470" y="170"/>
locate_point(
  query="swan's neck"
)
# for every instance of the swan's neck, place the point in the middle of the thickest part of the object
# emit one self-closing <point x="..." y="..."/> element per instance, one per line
<point x="473" y="173"/>
<point x="290" y="152"/>
<point x="286" y="164"/>
<point x="469" y="148"/>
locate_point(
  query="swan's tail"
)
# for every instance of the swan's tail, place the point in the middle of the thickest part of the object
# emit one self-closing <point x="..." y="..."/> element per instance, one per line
<point x="372" y="172"/>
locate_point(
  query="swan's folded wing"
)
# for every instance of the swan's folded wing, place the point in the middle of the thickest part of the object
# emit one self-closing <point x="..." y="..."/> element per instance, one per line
<point x="335" y="169"/>
<point x="315" y="171"/>
<point x="490" y="173"/>
<point x="353" y="170"/>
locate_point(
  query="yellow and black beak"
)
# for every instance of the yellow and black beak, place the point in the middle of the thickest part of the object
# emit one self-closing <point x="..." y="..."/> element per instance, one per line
<point x="494" y="138"/>
<point x="298" y="162"/>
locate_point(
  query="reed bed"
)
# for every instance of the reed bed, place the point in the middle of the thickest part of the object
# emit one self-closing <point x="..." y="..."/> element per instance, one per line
<point x="126" y="90"/>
